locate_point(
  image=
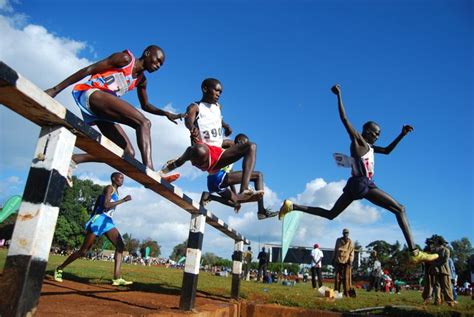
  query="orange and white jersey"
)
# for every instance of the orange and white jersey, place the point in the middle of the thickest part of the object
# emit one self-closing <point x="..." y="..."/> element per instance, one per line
<point x="117" y="81"/>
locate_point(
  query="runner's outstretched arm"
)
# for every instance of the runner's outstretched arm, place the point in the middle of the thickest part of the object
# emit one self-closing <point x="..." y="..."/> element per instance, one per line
<point x="386" y="150"/>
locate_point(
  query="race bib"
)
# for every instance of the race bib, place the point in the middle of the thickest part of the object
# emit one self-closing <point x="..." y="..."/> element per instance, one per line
<point x="343" y="160"/>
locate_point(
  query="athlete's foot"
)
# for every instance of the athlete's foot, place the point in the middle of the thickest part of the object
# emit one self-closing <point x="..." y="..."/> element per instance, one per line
<point x="121" y="282"/>
<point x="58" y="275"/>
<point x="285" y="208"/>
<point x="420" y="256"/>
<point x="204" y="199"/>
<point x="266" y="213"/>
<point x="70" y="171"/>
<point x="169" y="178"/>
<point x="250" y="195"/>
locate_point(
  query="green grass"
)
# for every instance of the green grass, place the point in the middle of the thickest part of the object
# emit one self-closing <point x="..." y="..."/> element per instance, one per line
<point x="168" y="281"/>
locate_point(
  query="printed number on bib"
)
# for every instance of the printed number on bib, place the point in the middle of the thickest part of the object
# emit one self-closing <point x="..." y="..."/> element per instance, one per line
<point x="214" y="132"/>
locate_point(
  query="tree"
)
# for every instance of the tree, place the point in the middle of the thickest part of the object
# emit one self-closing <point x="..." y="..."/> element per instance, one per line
<point x="131" y="244"/>
<point x="155" y="248"/>
<point x="461" y="251"/>
<point x="179" y="251"/>
<point x="74" y="212"/>
<point x="209" y="258"/>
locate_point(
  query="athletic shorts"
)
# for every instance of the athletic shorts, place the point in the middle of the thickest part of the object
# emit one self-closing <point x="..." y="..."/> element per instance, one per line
<point x="81" y="97"/>
<point x="214" y="182"/>
<point x="358" y="186"/>
<point x="100" y="224"/>
<point x="215" y="153"/>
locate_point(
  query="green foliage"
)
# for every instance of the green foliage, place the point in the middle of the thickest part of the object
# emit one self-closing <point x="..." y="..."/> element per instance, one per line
<point x="74" y="213"/>
<point x="460" y="253"/>
<point x="155" y="248"/>
<point x="279" y="268"/>
<point x="131" y="244"/>
<point x="179" y="251"/>
<point x="393" y="259"/>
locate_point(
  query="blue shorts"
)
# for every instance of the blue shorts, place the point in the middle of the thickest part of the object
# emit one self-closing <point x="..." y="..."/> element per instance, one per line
<point x="214" y="182"/>
<point x="358" y="186"/>
<point x="81" y="97"/>
<point x="100" y="224"/>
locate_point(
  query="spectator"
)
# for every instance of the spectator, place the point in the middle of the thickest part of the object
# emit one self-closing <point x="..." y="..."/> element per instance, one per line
<point x="442" y="272"/>
<point x="454" y="279"/>
<point x="316" y="260"/>
<point x="343" y="258"/>
<point x="262" y="263"/>
<point x="376" y="274"/>
<point x="247" y="261"/>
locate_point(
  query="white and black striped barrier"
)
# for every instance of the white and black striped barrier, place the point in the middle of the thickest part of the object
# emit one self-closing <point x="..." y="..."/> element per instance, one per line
<point x="22" y="278"/>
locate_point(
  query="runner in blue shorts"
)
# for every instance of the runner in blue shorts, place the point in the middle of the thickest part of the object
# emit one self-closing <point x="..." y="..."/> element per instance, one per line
<point x="101" y="223"/>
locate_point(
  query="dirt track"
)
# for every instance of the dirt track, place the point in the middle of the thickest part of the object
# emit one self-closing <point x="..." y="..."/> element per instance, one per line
<point x="77" y="299"/>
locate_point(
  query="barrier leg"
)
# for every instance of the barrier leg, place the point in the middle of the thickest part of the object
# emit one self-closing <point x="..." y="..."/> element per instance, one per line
<point x="193" y="259"/>
<point x="236" y="268"/>
<point x="27" y="257"/>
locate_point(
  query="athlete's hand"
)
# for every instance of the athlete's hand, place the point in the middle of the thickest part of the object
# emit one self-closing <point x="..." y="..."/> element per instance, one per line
<point x="336" y="89"/>
<point x="237" y="207"/>
<point x="406" y="129"/>
<point x="227" y="130"/>
<point x="51" y="91"/>
<point x="127" y="198"/>
<point x="195" y="135"/>
<point x="173" y="117"/>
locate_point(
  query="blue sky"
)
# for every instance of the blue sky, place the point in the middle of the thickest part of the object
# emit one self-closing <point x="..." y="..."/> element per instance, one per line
<point x="398" y="62"/>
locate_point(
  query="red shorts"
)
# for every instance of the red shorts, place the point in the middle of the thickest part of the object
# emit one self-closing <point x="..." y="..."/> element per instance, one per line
<point x="215" y="153"/>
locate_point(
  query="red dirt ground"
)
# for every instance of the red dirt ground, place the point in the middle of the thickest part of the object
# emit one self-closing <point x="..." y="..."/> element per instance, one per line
<point x="77" y="299"/>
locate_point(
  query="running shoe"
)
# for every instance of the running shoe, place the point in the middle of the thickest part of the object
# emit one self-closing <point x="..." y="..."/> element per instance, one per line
<point x="286" y="207"/>
<point x="58" y="275"/>
<point x="121" y="282"/>
<point x="266" y="214"/>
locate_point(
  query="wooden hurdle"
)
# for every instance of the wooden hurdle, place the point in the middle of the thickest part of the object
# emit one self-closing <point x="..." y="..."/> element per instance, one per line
<point x="61" y="130"/>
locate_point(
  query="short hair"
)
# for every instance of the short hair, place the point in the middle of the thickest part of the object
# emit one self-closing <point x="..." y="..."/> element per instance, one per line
<point x="240" y="136"/>
<point x="369" y="124"/>
<point x="115" y="174"/>
<point x="152" y="48"/>
<point x="210" y="82"/>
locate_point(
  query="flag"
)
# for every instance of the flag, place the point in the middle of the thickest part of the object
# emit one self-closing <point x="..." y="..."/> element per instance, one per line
<point x="290" y="224"/>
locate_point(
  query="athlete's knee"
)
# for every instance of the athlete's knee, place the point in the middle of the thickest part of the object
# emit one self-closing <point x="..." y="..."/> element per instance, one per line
<point x="82" y="252"/>
<point x="145" y="123"/>
<point x="252" y="147"/>
<point x="120" y="246"/>
<point x="129" y="150"/>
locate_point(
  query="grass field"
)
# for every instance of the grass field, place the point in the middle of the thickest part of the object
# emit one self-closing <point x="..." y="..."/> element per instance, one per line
<point x="168" y="281"/>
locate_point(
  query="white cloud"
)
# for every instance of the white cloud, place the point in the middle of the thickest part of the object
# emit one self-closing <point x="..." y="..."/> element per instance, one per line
<point x="6" y="6"/>
<point x="9" y="186"/>
<point x="45" y="59"/>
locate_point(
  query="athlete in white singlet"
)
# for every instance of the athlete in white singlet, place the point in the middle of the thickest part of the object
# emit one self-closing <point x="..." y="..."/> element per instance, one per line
<point x="360" y="185"/>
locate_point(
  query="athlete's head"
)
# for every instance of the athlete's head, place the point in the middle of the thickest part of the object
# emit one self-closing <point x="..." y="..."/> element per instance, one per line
<point x="241" y="139"/>
<point x="370" y="132"/>
<point x="211" y="90"/>
<point x="153" y="58"/>
<point x="117" y="178"/>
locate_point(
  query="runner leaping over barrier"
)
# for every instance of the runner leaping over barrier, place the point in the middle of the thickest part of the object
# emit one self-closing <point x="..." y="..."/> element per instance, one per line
<point x="61" y="130"/>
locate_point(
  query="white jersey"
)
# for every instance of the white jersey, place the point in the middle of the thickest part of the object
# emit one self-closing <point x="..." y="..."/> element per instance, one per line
<point x="209" y="123"/>
<point x="365" y="166"/>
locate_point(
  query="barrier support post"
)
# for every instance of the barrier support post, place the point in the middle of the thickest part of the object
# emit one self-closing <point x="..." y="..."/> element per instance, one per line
<point x="193" y="260"/>
<point x="28" y="254"/>
<point x="236" y="268"/>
